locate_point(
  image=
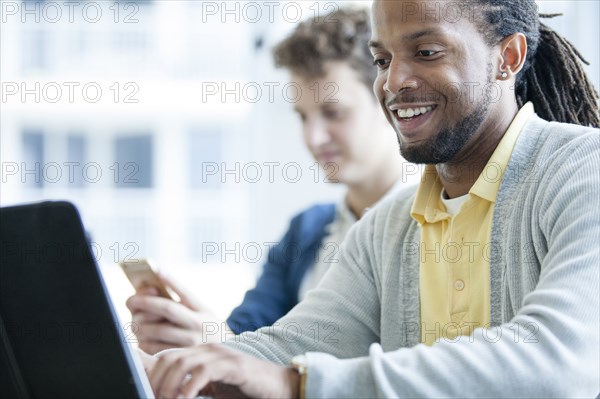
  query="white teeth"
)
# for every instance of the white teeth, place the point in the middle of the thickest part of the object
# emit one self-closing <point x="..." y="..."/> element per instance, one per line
<point x="411" y="112"/>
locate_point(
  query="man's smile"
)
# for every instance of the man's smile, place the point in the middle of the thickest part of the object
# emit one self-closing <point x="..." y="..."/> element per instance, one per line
<point x="409" y="119"/>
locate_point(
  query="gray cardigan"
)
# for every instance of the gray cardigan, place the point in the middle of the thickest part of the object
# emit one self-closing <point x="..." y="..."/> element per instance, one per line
<point x="361" y="329"/>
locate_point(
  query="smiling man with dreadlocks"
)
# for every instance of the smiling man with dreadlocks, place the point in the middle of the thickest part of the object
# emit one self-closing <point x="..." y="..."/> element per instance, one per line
<point x="481" y="282"/>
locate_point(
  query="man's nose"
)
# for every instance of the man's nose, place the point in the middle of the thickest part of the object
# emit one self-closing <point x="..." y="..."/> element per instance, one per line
<point x="400" y="77"/>
<point x="316" y="133"/>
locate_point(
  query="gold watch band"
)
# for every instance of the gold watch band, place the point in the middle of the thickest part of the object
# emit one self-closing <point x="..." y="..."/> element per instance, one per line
<point x="299" y="364"/>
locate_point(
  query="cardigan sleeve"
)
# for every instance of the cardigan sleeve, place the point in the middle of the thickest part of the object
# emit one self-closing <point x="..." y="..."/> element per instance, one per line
<point x="340" y="316"/>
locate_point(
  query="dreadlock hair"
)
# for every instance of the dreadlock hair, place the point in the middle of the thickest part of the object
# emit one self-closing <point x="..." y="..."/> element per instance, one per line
<point x="552" y="77"/>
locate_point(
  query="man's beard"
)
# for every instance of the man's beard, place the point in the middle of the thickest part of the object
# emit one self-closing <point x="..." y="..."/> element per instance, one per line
<point x="444" y="146"/>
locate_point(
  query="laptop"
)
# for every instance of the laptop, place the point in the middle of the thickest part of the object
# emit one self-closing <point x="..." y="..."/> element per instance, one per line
<point x="59" y="334"/>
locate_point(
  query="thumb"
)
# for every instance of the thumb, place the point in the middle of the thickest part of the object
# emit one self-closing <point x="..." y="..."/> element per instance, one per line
<point x="185" y="296"/>
<point x="148" y="361"/>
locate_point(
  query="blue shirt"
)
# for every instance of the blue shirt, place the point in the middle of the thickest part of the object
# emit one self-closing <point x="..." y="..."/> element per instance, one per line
<point x="276" y="291"/>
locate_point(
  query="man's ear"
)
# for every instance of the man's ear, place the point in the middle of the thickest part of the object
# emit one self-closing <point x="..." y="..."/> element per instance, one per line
<point x="513" y="51"/>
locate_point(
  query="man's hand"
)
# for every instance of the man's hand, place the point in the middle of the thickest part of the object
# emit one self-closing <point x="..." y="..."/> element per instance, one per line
<point x="220" y="372"/>
<point x="161" y="323"/>
<point x="148" y="361"/>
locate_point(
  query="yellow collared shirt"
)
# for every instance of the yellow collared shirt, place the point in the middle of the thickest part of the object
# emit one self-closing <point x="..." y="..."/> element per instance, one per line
<point x="454" y="274"/>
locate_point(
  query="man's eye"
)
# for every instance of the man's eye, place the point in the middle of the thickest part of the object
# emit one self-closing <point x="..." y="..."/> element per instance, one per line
<point x="332" y="114"/>
<point x="426" y="53"/>
<point x="381" y="62"/>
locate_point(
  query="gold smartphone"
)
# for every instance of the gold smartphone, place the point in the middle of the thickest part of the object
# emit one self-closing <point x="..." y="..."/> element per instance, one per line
<point x="141" y="275"/>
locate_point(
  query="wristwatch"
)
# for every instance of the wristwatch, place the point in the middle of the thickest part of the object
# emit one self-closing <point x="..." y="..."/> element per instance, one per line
<point x="299" y="364"/>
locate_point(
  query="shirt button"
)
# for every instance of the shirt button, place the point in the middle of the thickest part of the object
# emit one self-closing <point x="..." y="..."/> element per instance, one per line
<point x="459" y="285"/>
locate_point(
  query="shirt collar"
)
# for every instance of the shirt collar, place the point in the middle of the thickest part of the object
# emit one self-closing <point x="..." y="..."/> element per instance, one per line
<point x="425" y="206"/>
<point x="488" y="183"/>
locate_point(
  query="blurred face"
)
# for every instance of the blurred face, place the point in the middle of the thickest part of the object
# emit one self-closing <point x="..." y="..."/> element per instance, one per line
<point x="342" y="125"/>
<point x="434" y="78"/>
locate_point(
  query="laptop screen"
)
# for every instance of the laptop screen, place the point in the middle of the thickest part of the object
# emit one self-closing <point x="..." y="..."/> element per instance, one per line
<point x="59" y="334"/>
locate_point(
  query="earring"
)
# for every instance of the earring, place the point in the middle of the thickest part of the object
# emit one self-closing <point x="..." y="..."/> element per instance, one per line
<point x="504" y="75"/>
